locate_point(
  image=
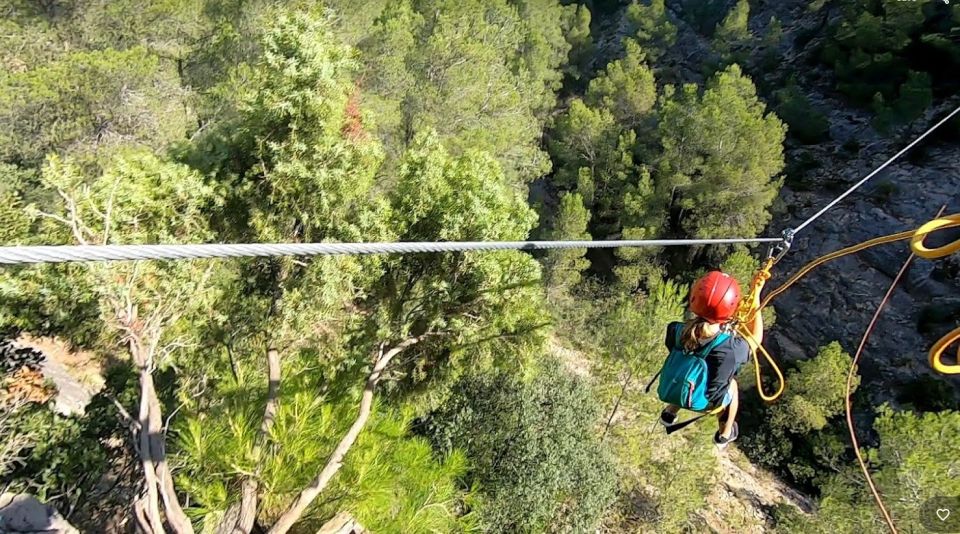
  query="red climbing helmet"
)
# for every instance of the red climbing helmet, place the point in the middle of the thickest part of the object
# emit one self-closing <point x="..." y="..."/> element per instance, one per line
<point x="715" y="297"/>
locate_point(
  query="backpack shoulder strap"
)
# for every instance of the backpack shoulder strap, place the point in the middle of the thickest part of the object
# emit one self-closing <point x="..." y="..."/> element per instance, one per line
<point x="717" y="340"/>
<point x="677" y="335"/>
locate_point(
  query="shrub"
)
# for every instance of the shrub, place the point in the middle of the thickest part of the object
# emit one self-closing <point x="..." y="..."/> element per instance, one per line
<point x="806" y="123"/>
<point x="533" y="448"/>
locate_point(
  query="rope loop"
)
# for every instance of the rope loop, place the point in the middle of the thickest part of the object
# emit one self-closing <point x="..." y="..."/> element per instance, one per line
<point x="920" y="249"/>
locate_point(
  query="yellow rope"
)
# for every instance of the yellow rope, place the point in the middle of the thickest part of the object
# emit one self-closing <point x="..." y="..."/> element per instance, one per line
<point x="936" y="352"/>
<point x="747" y="311"/>
<point x="916" y="243"/>
<point x="745" y="314"/>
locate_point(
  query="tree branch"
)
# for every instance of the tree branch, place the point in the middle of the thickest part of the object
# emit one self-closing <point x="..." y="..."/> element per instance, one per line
<point x="335" y="462"/>
<point x="240" y="518"/>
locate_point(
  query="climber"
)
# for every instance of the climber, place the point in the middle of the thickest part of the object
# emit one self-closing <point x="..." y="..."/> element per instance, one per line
<point x="706" y="353"/>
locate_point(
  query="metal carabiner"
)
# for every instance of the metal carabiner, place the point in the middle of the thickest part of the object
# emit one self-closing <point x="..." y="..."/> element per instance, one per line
<point x="779" y="250"/>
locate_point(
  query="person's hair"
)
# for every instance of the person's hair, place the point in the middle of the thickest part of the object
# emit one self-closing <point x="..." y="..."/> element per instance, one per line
<point x="693" y="333"/>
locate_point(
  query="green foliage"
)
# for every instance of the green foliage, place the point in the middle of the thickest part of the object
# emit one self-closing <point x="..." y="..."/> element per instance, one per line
<point x="816" y="391"/>
<point x="543" y="429"/>
<point x="796" y="436"/>
<point x="15" y="222"/>
<point x="629" y="344"/>
<point x="915" y="96"/>
<point x="295" y="115"/>
<point x="481" y="74"/>
<point x="136" y="198"/>
<point x="482" y="307"/>
<point x="704" y="15"/>
<point x="713" y="173"/>
<point x="721" y="154"/>
<point x="733" y="32"/>
<point x="582" y="48"/>
<point x="884" y="54"/>
<point x="806" y="124"/>
<point x="653" y="29"/>
<point x="88" y="101"/>
<point x="912" y="463"/>
<point x="625" y="88"/>
<point x="928" y="394"/>
<point x="594" y="157"/>
<point x="563" y="267"/>
<point x="67" y="455"/>
<point x="583" y="138"/>
<point x="664" y="480"/>
<point x="26" y="38"/>
<point x="631" y="333"/>
<point x="390" y="482"/>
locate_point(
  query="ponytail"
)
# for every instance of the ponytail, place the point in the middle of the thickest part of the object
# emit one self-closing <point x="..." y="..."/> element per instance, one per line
<point x="693" y="333"/>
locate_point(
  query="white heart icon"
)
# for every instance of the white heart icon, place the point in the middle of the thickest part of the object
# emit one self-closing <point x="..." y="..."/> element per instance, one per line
<point x="943" y="513"/>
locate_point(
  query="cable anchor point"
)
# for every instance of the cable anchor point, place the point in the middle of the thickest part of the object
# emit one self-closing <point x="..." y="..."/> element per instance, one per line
<point x="779" y="250"/>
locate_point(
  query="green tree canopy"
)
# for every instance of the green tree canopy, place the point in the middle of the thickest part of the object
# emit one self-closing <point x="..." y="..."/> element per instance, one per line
<point x="563" y="267"/>
<point x="654" y="30"/>
<point x="543" y="429"/>
<point x="816" y="391"/>
<point x="733" y="31"/>
<point x="912" y="463"/>
<point x="625" y="88"/>
<point x="88" y="101"/>
<point x="481" y="74"/>
<point x="722" y="152"/>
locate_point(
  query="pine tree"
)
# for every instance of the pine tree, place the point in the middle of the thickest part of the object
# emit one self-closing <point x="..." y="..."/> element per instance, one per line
<point x="626" y="88"/>
<point x="563" y="267"/>
<point x="721" y="155"/>
<point x="654" y="31"/>
<point x="733" y="32"/>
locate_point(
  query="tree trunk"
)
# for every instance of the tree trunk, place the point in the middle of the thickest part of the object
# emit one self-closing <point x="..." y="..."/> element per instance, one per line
<point x="616" y="405"/>
<point x="296" y="509"/>
<point x="240" y="518"/>
<point x="151" y="506"/>
<point x="157" y="476"/>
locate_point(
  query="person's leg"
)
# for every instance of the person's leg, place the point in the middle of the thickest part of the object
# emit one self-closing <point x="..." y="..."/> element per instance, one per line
<point x="671" y="409"/>
<point x="728" y="417"/>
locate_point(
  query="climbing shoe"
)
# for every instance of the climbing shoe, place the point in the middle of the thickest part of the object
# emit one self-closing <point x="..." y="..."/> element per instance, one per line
<point x="722" y="442"/>
<point x="667" y="418"/>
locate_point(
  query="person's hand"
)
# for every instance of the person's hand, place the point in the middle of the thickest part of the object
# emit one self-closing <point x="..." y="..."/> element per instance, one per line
<point x="759" y="280"/>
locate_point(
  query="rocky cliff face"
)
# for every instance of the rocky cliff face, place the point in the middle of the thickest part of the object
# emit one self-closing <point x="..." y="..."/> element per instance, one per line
<point x="836" y="301"/>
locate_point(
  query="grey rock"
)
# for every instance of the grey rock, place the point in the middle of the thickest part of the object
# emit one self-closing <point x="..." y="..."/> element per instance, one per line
<point x="22" y="513"/>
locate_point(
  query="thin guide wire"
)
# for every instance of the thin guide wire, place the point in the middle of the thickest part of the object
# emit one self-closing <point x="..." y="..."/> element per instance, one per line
<point x="875" y="171"/>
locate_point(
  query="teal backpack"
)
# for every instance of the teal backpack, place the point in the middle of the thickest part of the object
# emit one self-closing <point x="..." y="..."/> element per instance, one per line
<point x="683" y="378"/>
